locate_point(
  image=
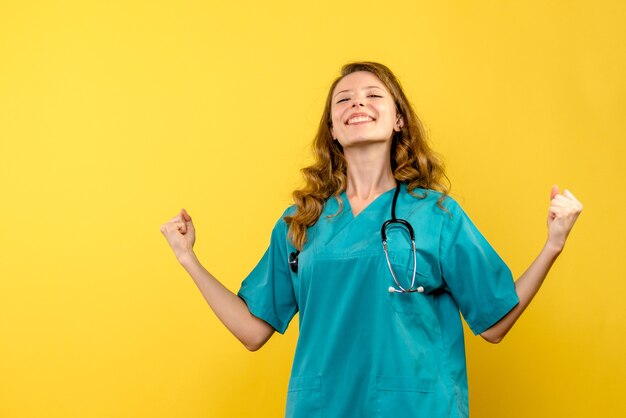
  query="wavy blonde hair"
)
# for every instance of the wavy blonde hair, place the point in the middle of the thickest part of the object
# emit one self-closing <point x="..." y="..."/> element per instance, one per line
<point x="412" y="159"/>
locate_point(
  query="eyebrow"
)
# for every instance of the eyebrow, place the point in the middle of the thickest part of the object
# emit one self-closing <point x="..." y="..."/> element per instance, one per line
<point x="364" y="88"/>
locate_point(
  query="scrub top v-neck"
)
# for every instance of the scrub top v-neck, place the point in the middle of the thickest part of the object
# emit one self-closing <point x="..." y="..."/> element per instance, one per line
<point x="363" y="351"/>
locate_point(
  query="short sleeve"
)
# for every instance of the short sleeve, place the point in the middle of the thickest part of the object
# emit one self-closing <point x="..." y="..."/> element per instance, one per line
<point x="268" y="290"/>
<point x="478" y="279"/>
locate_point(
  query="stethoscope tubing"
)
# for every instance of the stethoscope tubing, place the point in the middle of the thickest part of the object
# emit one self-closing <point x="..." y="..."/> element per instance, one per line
<point x="393" y="274"/>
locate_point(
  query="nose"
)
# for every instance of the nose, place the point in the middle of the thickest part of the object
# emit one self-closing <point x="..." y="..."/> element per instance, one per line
<point x="357" y="102"/>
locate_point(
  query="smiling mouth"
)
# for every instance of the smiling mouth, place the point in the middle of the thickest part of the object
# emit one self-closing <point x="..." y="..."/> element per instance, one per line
<point x="359" y="120"/>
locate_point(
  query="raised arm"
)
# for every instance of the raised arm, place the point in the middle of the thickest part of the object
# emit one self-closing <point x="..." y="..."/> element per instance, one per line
<point x="563" y="212"/>
<point x="229" y="308"/>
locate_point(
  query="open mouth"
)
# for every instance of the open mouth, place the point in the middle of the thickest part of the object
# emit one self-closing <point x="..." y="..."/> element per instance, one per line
<point x="355" y="120"/>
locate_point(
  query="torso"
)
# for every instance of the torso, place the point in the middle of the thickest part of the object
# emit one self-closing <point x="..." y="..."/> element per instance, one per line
<point x="365" y="352"/>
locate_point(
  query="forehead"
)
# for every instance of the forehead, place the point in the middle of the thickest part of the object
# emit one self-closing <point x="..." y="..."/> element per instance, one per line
<point x="357" y="81"/>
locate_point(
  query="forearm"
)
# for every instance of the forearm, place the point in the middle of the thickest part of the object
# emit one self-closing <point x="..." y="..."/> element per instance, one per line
<point x="231" y="310"/>
<point x="526" y="287"/>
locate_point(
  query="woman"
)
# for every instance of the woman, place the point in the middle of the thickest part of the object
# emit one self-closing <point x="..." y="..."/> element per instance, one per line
<point x="380" y="331"/>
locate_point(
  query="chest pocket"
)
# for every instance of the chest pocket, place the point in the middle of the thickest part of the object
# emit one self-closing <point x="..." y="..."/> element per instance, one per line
<point x="414" y="303"/>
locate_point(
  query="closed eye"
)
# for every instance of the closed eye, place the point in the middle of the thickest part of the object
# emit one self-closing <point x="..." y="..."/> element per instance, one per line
<point x="369" y="95"/>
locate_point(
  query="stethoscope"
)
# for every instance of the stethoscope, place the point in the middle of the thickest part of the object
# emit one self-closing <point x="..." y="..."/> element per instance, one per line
<point x="383" y="234"/>
<point x="293" y="257"/>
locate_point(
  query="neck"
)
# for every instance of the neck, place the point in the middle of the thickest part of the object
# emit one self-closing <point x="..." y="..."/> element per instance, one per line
<point x="368" y="170"/>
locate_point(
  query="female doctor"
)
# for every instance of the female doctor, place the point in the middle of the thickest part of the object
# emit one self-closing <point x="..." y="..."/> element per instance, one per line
<point x="379" y="261"/>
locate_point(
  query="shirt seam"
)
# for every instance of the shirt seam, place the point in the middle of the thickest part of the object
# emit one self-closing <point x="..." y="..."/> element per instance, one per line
<point x="263" y="313"/>
<point x="504" y="306"/>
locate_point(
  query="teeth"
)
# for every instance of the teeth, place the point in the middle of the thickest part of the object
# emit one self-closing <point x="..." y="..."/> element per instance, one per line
<point x="359" y="119"/>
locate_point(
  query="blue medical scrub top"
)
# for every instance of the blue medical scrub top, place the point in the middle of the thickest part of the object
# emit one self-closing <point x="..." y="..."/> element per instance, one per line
<point x="363" y="351"/>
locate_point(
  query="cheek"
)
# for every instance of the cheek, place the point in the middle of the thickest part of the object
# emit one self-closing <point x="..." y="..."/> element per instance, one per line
<point x="336" y="120"/>
<point x="389" y="114"/>
<point x="387" y="109"/>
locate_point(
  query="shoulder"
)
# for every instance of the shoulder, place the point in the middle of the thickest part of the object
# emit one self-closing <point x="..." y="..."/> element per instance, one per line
<point x="280" y="222"/>
<point x="435" y="199"/>
<point x="289" y="211"/>
<point x="331" y="203"/>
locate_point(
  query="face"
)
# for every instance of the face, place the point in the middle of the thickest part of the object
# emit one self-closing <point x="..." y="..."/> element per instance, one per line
<point x="362" y="110"/>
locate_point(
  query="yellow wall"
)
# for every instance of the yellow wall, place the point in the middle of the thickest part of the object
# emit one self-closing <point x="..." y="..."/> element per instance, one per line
<point x="115" y="114"/>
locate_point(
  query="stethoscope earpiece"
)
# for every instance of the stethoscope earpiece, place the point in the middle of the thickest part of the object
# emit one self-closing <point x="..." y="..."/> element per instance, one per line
<point x="420" y="289"/>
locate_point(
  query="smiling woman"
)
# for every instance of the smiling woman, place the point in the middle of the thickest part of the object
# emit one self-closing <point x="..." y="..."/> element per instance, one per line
<point x="380" y="330"/>
<point x="365" y="89"/>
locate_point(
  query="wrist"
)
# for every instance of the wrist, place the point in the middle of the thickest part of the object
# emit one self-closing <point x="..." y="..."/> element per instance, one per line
<point x="553" y="248"/>
<point x="187" y="259"/>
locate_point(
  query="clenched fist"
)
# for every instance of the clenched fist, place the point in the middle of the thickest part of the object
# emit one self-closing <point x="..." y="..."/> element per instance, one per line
<point x="564" y="210"/>
<point x="180" y="234"/>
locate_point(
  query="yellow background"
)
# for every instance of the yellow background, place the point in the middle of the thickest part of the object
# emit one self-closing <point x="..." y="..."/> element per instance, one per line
<point x="115" y="114"/>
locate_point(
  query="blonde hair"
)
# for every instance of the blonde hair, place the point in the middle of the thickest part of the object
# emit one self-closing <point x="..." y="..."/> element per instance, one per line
<point x="412" y="159"/>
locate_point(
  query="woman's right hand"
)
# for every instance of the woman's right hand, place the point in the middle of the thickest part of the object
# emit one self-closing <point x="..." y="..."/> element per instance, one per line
<point x="180" y="234"/>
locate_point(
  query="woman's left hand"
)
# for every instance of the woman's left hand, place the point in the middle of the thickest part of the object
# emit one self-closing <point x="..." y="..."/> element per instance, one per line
<point x="564" y="210"/>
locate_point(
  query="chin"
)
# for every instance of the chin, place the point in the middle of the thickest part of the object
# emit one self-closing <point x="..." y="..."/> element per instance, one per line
<point x="362" y="141"/>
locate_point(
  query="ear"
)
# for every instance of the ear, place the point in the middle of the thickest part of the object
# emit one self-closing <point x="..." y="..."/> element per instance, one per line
<point x="399" y="124"/>
<point x="332" y="133"/>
